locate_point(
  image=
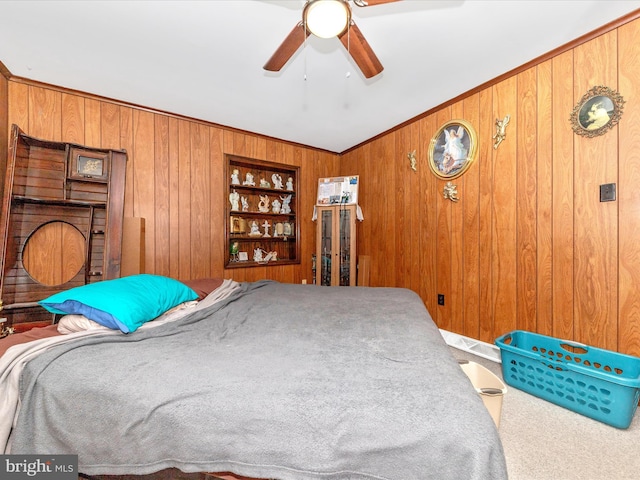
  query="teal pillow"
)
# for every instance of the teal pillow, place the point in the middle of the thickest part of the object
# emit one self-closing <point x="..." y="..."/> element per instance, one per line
<point x="123" y="303"/>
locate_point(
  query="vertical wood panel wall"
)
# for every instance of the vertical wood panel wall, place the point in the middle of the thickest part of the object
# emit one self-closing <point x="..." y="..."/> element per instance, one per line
<point x="529" y="245"/>
<point x="174" y="175"/>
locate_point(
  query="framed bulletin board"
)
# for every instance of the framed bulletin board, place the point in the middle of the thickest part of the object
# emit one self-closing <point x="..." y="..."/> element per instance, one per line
<point x="338" y="190"/>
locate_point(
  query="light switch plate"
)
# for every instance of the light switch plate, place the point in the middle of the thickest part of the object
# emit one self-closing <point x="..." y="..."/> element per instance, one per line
<point x="608" y="192"/>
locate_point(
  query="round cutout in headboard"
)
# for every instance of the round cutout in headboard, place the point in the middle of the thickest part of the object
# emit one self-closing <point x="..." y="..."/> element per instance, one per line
<point x="54" y="253"/>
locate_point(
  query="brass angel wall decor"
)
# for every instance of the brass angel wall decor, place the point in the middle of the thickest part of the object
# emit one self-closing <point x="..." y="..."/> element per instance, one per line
<point x="501" y="131"/>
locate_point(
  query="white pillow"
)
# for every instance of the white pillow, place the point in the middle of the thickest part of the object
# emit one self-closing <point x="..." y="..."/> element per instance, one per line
<point x="77" y="323"/>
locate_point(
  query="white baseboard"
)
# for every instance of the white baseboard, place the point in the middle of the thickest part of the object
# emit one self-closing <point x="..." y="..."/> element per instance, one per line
<point x="471" y="345"/>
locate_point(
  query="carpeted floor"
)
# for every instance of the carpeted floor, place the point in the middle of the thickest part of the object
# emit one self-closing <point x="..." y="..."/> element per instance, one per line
<point x="543" y="441"/>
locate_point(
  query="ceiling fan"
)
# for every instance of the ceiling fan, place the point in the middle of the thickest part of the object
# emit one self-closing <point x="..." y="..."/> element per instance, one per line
<point x="328" y="19"/>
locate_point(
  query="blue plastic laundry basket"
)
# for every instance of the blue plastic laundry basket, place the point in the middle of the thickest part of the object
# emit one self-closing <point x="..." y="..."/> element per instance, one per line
<point x="594" y="382"/>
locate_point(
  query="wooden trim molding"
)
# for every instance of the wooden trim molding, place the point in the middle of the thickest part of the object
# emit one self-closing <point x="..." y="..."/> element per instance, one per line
<point x="536" y="61"/>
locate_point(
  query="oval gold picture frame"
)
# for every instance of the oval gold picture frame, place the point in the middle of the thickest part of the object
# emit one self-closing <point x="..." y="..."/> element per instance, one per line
<point x="599" y="110"/>
<point x="452" y="149"/>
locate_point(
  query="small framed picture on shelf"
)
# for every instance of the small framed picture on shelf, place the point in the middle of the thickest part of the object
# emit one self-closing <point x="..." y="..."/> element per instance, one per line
<point x="88" y="165"/>
<point x="243" y="256"/>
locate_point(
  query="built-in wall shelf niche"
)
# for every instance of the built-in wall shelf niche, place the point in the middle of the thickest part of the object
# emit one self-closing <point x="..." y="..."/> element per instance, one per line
<point x="60" y="224"/>
<point x="262" y="200"/>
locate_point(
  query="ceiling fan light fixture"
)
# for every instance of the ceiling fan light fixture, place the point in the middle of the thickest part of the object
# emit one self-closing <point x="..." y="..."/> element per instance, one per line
<point x="326" y="18"/>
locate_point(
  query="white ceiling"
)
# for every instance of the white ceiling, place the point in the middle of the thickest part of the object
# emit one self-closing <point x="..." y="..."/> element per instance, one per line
<point x="203" y="59"/>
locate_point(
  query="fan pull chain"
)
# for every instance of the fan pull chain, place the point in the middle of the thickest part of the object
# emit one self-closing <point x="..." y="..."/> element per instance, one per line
<point x="305" y="52"/>
<point x="347" y="86"/>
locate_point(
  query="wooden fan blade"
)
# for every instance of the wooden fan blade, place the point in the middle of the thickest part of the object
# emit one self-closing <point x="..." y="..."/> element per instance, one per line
<point x="360" y="51"/>
<point x="287" y="48"/>
<point x="370" y="3"/>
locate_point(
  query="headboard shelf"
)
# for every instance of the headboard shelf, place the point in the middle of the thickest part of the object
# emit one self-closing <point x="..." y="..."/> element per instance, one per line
<point x="54" y="202"/>
<point x="19" y="305"/>
<point x="61" y="222"/>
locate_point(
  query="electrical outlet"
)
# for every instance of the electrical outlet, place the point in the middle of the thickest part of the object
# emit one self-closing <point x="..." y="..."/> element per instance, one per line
<point x="440" y="299"/>
<point x="608" y="192"/>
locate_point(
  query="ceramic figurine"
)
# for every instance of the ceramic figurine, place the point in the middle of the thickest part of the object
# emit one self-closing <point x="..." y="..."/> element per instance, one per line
<point x="234" y="198"/>
<point x="266" y="227"/>
<point x="255" y="230"/>
<point x="263" y="206"/>
<point x="286" y="208"/>
<point x="249" y="180"/>
<point x="277" y="181"/>
<point x="235" y="180"/>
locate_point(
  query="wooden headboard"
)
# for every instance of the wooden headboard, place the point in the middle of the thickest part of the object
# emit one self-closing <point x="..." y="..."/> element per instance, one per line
<point x="60" y="224"/>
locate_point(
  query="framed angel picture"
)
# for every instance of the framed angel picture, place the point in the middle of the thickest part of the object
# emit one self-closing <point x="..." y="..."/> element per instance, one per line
<point x="452" y="149"/>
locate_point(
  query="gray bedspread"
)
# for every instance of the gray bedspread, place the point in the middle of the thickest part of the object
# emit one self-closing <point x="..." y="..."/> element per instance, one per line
<point x="292" y="382"/>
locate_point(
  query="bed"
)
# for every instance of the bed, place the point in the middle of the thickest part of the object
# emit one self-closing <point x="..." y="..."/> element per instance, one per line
<point x="266" y="380"/>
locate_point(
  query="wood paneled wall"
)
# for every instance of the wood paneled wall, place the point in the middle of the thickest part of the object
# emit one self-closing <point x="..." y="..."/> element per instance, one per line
<point x="175" y="175"/>
<point x="529" y="245"/>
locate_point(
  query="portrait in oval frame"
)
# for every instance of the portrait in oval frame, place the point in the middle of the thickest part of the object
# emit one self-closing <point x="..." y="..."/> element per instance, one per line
<point x="452" y="149"/>
<point x="599" y="110"/>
